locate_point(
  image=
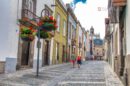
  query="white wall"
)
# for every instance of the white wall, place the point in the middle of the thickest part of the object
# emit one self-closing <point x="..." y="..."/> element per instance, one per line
<point x="9" y="28"/>
<point x="128" y="27"/>
<point x="40" y="6"/>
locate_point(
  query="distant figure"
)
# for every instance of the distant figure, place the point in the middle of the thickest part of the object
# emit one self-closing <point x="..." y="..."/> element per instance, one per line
<point x="79" y="61"/>
<point x="73" y="59"/>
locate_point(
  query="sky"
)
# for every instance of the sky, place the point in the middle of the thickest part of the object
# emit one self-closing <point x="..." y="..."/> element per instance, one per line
<point x="91" y="13"/>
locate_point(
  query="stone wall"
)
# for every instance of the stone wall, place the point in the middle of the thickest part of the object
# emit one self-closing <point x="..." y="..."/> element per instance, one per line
<point x="117" y="65"/>
<point x="127" y="70"/>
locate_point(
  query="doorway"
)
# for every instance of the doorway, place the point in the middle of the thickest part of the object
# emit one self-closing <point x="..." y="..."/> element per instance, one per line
<point x="25" y="53"/>
<point x="63" y="53"/>
<point x="46" y="53"/>
<point x="69" y="54"/>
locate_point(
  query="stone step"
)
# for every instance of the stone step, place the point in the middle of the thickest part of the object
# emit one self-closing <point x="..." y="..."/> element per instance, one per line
<point x="80" y="83"/>
<point x="85" y="79"/>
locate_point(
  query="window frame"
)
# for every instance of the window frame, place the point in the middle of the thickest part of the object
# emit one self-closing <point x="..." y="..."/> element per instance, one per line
<point x="64" y="27"/>
<point x="58" y="19"/>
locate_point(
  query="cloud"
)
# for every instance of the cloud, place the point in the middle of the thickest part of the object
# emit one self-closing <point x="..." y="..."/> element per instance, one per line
<point x="67" y="1"/>
<point x="89" y="15"/>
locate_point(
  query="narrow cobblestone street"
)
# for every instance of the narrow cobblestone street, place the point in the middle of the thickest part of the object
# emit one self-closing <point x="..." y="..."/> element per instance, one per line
<point x="91" y="73"/>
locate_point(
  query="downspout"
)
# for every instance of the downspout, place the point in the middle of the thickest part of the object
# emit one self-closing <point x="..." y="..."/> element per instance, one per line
<point x="67" y="35"/>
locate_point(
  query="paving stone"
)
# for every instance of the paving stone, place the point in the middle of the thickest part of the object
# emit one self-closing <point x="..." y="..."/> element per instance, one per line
<point x="91" y="73"/>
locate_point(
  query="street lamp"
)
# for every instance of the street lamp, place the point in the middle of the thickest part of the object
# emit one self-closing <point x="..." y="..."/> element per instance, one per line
<point x="39" y="43"/>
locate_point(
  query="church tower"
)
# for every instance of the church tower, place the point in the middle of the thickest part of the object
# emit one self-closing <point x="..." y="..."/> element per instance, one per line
<point x="91" y="30"/>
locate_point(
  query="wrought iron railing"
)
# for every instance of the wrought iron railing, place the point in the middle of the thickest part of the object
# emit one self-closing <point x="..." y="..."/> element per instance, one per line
<point x="29" y="14"/>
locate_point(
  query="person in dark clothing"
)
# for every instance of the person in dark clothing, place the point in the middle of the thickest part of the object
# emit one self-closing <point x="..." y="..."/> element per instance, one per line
<point x="79" y="61"/>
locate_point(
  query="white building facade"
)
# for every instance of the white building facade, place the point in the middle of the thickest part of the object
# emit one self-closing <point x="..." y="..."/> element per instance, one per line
<point x="12" y="48"/>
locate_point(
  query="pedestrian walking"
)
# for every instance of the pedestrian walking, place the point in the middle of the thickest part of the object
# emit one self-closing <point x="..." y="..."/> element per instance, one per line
<point x="79" y="61"/>
<point x="73" y="59"/>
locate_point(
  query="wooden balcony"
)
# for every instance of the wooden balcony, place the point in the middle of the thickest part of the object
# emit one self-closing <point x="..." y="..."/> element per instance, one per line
<point x="119" y="2"/>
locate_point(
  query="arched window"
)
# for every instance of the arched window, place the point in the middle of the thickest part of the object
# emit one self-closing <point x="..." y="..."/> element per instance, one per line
<point x="31" y="6"/>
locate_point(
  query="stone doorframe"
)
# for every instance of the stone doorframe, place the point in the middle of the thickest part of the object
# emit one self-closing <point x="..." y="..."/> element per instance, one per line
<point x="19" y="55"/>
<point x="48" y="52"/>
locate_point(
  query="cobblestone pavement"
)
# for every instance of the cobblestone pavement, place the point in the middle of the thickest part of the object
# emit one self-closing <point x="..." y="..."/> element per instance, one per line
<point x="91" y="73"/>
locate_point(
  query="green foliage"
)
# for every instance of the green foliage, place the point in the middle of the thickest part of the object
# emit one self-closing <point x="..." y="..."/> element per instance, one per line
<point x="25" y="30"/>
<point x="43" y="34"/>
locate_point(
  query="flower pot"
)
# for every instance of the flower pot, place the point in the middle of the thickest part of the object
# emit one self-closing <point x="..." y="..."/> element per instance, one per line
<point x="47" y="27"/>
<point x="27" y="37"/>
<point x="43" y="34"/>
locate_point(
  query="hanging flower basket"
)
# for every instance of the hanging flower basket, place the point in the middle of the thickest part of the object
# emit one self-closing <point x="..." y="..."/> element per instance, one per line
<point x="48" y="23"/>
<point x="27" y="34"/>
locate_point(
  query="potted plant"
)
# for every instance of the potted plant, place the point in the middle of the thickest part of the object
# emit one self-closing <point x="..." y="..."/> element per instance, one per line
<point x="27" y="33"/>
<point x="47" y="23"/>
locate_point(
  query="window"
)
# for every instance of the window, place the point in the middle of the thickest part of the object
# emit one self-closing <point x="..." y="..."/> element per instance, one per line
<point x="30" y="5"/>
<point x="63" y="53"/>
<point x="31" y="9"/>
<point x="58" y="22"/>
<point x="74" y="33"/>
<point x="64" y="29"/>
<point x="69" y="30"/>
<point x="57" y="51"/>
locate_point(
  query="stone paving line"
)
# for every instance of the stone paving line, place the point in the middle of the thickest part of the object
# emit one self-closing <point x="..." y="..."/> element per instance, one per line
<point x="91" y="73"/>
<point x="83" y="76"/>
<point x="13" y="79"/>
<point x="110" y="78"/>
<point x="28" y="71"/>
<point x="28" y="77"/>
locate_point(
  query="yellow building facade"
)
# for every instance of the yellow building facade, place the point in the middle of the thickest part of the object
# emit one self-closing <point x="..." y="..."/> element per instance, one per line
<point x="59" y="44"/>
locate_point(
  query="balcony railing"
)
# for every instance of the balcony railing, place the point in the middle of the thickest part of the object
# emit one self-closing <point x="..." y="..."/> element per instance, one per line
<point x="32" y="19"/>
<point x="29" y="14"/>
<point x="119" y="2"/>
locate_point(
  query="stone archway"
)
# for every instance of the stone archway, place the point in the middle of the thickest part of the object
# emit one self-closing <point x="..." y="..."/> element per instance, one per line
<point x="25" y="54"/>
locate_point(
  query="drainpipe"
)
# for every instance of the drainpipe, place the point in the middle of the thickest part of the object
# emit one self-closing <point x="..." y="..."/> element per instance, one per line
<point x="67" y="35"/>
